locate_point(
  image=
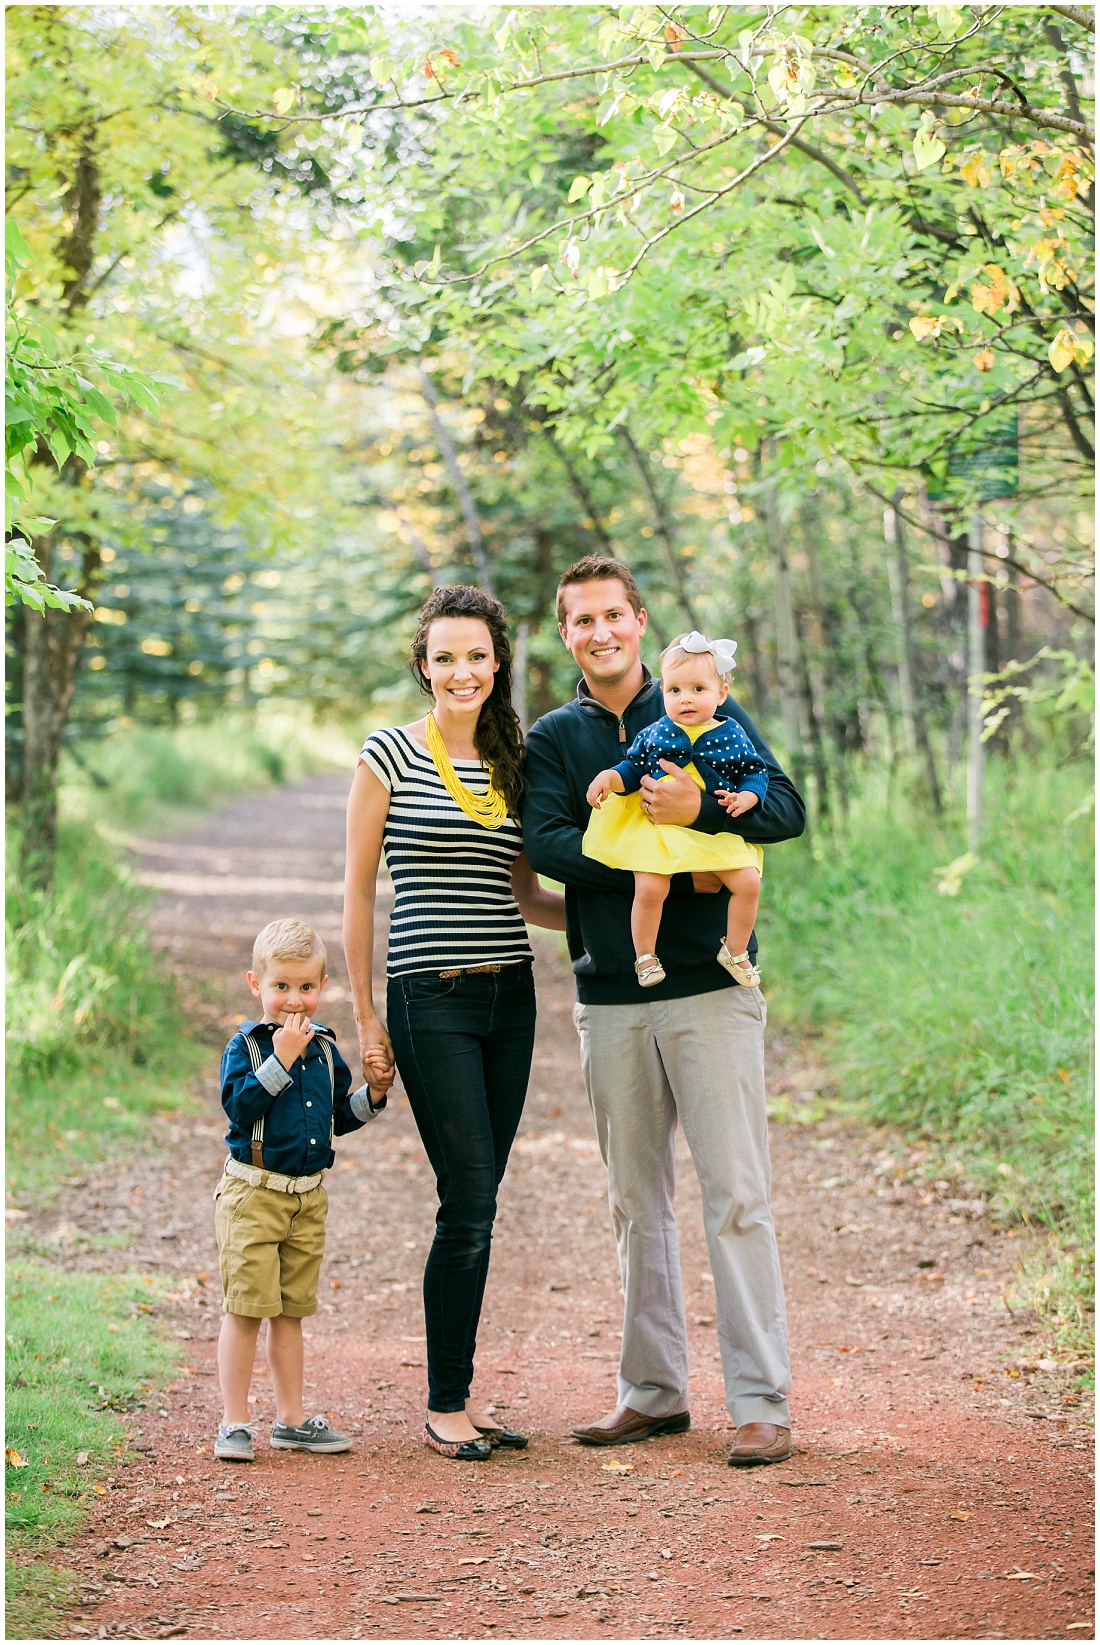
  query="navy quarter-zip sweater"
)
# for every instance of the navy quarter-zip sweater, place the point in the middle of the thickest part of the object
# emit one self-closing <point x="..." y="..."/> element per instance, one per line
<point x="296" y="1103"/>
<point x="565" y="750"/>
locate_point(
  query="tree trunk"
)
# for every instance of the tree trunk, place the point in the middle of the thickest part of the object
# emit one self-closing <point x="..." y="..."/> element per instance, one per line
<point x="813" y="722"/>
<point x="461" y="488"/>
<point x="977" y="619"/>
<point x="916" y="725"/>
<point x="51" y="650"/>
<point x="519" y="671"/>
<point x="664" y="527"/>
<point x="590" y="520"/>
<point x="786" y="639"/>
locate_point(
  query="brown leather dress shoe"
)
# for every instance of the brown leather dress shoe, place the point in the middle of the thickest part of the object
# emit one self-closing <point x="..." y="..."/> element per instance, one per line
<point x="622" y="1426"/>
<point x="759" y="1442"/>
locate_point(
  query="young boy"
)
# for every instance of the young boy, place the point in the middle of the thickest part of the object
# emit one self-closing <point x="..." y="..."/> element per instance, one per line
<point x="287" y="1092"/>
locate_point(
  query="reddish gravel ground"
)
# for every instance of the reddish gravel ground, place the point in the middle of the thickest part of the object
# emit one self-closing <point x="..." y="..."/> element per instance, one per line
<point x="941" y="1485"/>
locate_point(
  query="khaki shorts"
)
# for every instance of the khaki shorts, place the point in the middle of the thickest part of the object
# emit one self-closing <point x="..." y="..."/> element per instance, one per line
<point x="270" y="1246"/>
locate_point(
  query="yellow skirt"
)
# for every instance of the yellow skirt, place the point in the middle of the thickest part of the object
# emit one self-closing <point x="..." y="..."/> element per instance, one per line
<point x="622" y="836"/>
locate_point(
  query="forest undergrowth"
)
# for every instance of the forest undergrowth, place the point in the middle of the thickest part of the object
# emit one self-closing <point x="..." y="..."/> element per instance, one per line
<point x="952" y="999"/>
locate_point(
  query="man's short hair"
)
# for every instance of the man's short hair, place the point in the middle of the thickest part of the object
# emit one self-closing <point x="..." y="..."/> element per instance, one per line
<point x="287" y="940"/>
<point x="598" y="568"/>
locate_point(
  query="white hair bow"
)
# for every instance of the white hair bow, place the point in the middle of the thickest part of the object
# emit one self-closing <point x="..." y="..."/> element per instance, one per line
<point x="721" y="650"/>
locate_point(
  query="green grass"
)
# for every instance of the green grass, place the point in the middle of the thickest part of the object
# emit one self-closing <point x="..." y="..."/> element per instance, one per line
<point x="93" y="1038"/>
<point x="81" y="1350"/>
<point x="93" y="1048"/>
<point x="965" y="1020"/>
<point x="158" y="778"/>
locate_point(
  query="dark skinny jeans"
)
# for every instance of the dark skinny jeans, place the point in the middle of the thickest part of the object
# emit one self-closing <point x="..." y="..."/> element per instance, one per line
<point x="463" y="1046"/>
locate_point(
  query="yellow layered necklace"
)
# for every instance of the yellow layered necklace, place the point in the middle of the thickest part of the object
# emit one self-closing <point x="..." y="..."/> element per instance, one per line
<point x="489" y="809"/>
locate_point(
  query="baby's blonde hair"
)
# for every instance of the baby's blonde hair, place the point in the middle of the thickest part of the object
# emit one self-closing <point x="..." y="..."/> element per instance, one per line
<point x="287" y="940"/>
<point x="675" y="654"/>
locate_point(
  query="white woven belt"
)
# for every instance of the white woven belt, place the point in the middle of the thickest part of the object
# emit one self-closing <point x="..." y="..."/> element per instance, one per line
<point x="272" y="1179"/>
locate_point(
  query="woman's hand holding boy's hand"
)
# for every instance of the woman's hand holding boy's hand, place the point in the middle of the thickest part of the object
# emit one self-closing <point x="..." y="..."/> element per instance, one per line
<point x="599" y="788"/>
<point x="378" y="1069"/>
<point x="375" y="1054"/>
<point x="736" y="804"/>
<point x="289" y="1041"/>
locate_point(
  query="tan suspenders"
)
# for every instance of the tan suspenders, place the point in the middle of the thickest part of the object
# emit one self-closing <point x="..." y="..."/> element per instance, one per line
<point x="256" y="1057"/>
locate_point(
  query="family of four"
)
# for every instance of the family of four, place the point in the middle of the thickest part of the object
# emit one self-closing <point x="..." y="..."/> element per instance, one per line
<point x="649" y="800"/>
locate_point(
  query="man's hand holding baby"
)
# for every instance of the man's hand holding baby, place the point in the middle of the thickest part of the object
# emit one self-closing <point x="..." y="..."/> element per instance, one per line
<point x="290" y="1041"/>
<point x="736" y="804"/>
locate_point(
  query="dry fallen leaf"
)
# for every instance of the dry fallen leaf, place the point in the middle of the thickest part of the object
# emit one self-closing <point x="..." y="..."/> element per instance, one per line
<point x="619" y="1468"/>
<point x="1022" y="1576"/>
<point x="82" y="1459"/>
<point x="14" y="1459"/>
<point x="958" y="1514"/>
<point x="770" y="1536"/>
<point x="481" y="1561"/>
<point x="157" y="1524"/>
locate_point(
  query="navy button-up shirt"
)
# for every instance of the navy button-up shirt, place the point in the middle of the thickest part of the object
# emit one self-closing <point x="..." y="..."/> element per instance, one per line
<point x="296" y="1104"/>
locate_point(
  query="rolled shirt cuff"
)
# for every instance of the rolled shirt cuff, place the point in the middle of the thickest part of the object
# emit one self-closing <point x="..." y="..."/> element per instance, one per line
<point x="273" y="1076"/>
<point x="361" y="1105"/>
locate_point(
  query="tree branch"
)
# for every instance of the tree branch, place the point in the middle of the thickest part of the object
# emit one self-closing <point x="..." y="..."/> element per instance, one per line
<point x="1081" y="15"/>
<point x="815" y="154"/>
<point x="1017" y="565"/>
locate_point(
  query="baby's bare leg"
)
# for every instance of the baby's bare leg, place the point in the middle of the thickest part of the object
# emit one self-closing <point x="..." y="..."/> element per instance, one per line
<point x="650" y="891"/>
<point x="743" y="885"/>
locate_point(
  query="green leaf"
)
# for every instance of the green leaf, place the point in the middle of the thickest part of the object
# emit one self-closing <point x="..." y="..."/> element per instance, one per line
<point x="16" y="249"/>
<point x="664" y="138"/>
<point x="949" y="20"/>
<point x="538" y="275"/>
<point x="578" y="189"/>
<point x="59" y="448"/>
<point x="927" y="148"/>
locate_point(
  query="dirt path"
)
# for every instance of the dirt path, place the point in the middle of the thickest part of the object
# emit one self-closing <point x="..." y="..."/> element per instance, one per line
<point x="941" y="1485"/>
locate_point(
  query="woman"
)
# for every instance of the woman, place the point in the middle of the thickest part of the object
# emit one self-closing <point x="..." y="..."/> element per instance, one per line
<point x="442" y="798"/>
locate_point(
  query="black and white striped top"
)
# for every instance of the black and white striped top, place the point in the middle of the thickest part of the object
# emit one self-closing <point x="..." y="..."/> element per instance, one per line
<point x="452" y="878"/>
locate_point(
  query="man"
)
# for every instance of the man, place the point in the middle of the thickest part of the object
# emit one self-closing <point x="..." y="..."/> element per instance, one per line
<point x="689" y="1051"/>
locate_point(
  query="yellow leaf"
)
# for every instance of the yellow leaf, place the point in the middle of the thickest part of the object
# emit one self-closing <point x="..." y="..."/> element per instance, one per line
<point x="578" y="189"/>
<point x="14" y="1459"/>
<point x="617" y="1468"/>
<point x="284" y="99"/>
<point x="538" y="275"/>
<point x="1060" y="352"/>
<point x="959" y="1514"/>
<point x="985" y="359"/>
<point x="926" y="325"/>
<point x="976" y="172"/>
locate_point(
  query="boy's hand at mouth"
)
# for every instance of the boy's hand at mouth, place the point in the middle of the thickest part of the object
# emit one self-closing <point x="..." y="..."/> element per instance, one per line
<point x="289" y="1041"/>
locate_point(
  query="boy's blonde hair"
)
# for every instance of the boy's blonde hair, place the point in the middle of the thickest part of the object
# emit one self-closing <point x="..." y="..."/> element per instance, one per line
<point x="675" y="654"/>
<point x="287" y="940"/>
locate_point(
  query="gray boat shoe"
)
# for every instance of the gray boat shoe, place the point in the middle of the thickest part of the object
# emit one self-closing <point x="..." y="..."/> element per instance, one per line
<point x="313" y="1435"/>
<point x="234" y="1442"/>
